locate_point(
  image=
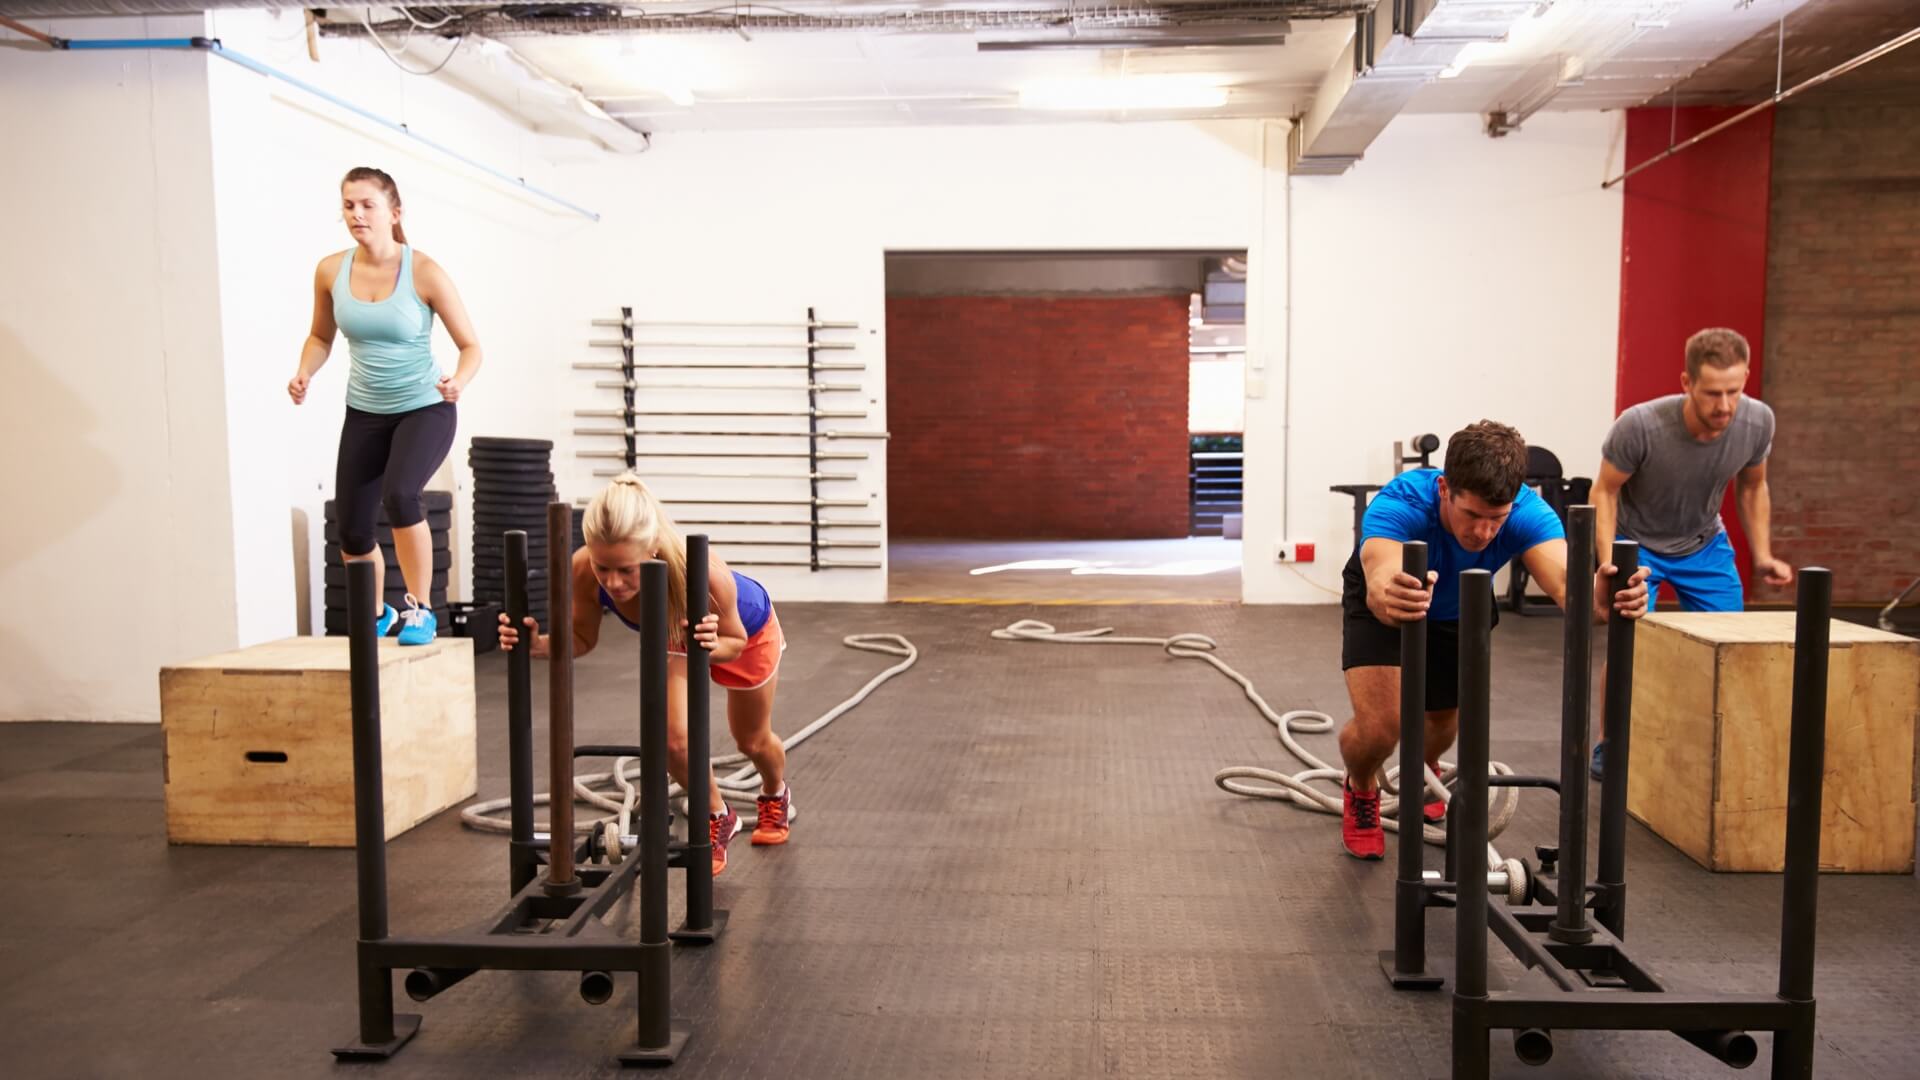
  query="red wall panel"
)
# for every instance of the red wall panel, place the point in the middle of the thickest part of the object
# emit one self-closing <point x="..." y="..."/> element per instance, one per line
<point x="1693" y="252"/>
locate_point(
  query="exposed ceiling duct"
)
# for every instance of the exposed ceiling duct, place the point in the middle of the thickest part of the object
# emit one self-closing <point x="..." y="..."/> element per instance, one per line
<point x="1226" y="19"/>
<point x="1395" y="50"/>
<point x="1004" y="26"/>
<point x="491" y="70"/>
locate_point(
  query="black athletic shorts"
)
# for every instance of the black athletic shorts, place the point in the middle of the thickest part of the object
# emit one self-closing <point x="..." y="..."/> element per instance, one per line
<point x="1365" y="641"/>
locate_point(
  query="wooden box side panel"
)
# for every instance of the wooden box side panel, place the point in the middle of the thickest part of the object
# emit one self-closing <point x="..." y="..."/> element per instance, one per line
<point x="1670" y="779"/>
<point x="213" y="719"/>
<point x="1867" y="811"/>
<point x="427" y="736"/>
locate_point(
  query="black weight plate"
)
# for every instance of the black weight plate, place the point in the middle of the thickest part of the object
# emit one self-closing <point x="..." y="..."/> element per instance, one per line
<point x="513" y="470"/>
<point x="517" y="494"/>
<point x="510" y="458"/>
<point x="514" y="503"/>
<point x="506" y="443"/>
<point x="532" y="489"/>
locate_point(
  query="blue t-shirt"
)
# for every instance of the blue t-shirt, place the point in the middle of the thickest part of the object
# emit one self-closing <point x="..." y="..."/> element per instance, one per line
<point x="1408" y="508"/>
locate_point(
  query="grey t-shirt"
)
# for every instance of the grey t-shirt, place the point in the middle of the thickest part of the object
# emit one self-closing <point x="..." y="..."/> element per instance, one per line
<point x="1671" y="503"/>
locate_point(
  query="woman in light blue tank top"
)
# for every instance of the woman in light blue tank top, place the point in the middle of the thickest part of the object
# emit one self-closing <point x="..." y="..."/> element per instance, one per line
<point x="382" y="295"/>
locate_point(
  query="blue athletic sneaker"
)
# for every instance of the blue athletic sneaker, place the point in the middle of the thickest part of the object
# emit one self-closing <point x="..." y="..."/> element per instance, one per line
<point x="420" y="627"/>
<point x="1598" y="767"/>
<point x="384" y="625"/>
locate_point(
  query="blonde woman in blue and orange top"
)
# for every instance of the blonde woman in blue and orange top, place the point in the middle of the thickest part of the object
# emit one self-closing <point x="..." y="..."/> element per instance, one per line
<point x="400" y="421"/>
<point x="625" y="525"/>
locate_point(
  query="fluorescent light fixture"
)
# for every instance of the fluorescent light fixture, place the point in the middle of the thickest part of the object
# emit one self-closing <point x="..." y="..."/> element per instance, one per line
<point x="1132" y="92"/>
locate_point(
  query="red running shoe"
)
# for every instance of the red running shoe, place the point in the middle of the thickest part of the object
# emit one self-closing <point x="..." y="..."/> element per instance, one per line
<point x="720" y="830"/>
<point x="1360" y="830"/>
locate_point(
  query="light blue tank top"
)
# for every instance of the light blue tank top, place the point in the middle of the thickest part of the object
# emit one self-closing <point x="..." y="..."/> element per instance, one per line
<point x="389" y="343"/>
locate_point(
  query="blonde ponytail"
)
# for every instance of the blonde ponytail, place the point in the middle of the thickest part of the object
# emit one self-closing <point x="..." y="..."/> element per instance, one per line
<point x="627" y="512"/>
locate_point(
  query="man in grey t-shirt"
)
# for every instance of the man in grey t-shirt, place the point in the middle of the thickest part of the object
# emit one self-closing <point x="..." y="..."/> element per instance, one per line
<point x="1664" y="470"/>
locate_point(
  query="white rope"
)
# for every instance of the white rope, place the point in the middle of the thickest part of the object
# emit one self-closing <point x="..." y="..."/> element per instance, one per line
<point x="1296" y="789"/>
<point x="739" y="788"/>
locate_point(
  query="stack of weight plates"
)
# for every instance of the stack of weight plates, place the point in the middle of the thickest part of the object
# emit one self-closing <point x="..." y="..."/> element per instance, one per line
<point x="512" y="485"/>
<point x="439" y="508"/>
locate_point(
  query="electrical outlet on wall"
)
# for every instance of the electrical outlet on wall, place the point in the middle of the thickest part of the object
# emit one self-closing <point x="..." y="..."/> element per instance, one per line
<point x="1293" y="551"/>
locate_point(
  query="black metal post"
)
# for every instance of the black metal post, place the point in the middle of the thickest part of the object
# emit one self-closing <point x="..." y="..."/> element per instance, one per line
<point x="522" y="862"/>
<point x="1576" y="691"/>
<point x="381" y="1032"/>
<point x="561" y="879"/>
<point x="1406" y="965"/>
<point x="700" y="926"/>
<point x="659" y="1042"/>
<point x="1806" y="764"/>
<point x="1470" y="1045"/>
<point x="1618" y="710"/>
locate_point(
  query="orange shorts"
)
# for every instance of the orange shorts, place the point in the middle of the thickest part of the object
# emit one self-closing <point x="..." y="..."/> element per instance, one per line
<point x="755" y="666"/>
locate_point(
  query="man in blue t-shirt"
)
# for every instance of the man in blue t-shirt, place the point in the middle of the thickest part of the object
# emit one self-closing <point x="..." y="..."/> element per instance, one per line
<point x="1477" y="515"/>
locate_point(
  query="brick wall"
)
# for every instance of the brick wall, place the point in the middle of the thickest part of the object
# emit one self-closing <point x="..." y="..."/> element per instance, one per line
<point x="1843" y="345"/>
<point x="1025" y="417"/>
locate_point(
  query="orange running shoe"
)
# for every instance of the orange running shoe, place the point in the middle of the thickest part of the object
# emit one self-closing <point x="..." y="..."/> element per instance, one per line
<point x="775" y="818"/>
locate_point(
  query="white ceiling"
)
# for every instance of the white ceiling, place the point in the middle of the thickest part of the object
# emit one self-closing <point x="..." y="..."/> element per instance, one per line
<point x="1573" y="54"/>
<point x="833" y="79"/>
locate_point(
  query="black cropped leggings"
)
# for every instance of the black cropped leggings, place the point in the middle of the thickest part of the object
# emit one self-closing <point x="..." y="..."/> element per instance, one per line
<point x="387" y="458"/>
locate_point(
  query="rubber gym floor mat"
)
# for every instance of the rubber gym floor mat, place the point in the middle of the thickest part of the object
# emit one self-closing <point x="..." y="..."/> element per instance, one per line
<point x="1011" y="862"/>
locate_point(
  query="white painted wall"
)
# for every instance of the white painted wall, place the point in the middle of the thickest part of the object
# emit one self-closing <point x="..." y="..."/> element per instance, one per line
<point x="762" y="225"/>
<point x="115" y="546"/>
<point x="1447" y="278"/>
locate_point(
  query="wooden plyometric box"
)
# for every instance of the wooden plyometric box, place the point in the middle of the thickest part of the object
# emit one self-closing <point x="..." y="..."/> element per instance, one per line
<point x="1712" y="704"/>
<point x="259" y="742"/>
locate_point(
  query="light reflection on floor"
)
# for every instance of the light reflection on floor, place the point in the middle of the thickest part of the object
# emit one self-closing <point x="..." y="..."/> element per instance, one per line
<point x="1201" y="569"/>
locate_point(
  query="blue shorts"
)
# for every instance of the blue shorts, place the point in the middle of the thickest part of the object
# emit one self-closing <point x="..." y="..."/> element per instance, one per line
<point x="1706" y="580"/>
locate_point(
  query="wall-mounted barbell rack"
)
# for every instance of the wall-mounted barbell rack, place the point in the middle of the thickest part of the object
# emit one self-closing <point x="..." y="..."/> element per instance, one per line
<point x="632" y="366"/>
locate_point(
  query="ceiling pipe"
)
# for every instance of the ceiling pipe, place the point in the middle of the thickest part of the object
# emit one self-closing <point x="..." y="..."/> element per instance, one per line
<point x="1831" y="73"/>
<point x="213" y="47"/>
